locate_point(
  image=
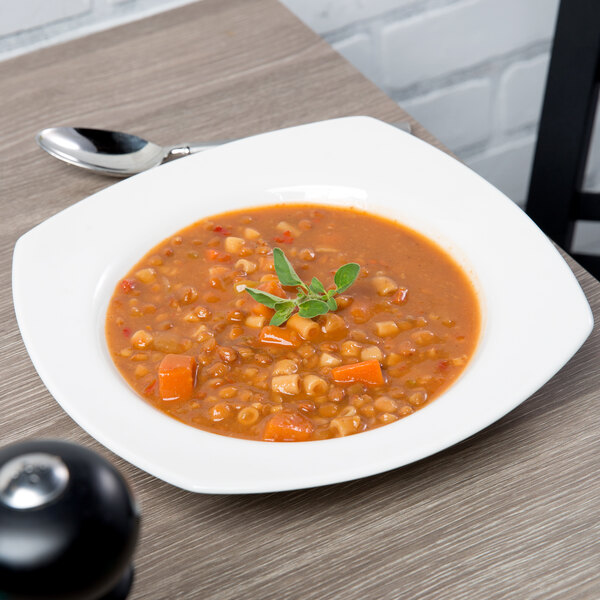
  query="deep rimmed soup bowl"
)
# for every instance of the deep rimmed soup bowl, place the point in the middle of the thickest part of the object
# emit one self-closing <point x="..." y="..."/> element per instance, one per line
<point x="534" y="315"/>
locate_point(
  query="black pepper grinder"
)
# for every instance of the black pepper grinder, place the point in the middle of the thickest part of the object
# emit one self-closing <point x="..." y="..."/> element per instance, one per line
<point x="68" y="524"/>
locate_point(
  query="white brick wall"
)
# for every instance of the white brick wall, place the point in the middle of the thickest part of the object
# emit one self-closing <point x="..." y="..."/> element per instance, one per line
<point x="472" y="71"/>
<point x="507" y="165"/>
<point x="358" y="49"/>
<point x="26" y="25"/>
<point x="520" y="93"/>
<point x="28" y="14"/>
<point x="331" y="15"/>
<point x="459" y="36"/>
<point x="470" y="105"/>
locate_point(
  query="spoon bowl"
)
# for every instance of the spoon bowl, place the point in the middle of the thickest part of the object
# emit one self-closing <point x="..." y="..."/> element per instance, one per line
<point x="109" y="152"/>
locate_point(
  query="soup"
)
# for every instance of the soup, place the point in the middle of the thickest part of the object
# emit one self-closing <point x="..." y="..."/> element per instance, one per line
<point x="192" y="341"/>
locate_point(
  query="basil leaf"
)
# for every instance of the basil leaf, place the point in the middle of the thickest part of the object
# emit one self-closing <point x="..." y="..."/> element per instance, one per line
<point x="345" y="276"/>
<point x="316" y="286"/>
<point x="331" y="304"/>
<point x="283" y="313"/>
<point x="313" y="308"/>
<point x="265" y="298"/>
<point x="284" y="269"/>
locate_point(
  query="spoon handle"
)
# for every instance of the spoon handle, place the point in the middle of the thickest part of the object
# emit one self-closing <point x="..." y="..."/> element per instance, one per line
<point x="184" y="149"/>
<point x="200" y="147"/>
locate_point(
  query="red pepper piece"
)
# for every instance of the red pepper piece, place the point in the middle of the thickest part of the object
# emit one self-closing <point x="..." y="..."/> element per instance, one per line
<point x="150" y="387"/>
<point x="285" y="238"/>
<point x="400" y="296"/>
<point x="128" y="285"/>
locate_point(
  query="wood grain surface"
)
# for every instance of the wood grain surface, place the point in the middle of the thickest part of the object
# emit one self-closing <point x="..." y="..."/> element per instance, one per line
<point x="512" y="512"/>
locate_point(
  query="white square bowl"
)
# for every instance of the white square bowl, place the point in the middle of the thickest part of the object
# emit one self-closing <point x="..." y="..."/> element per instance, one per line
<point x="535" y="315"/>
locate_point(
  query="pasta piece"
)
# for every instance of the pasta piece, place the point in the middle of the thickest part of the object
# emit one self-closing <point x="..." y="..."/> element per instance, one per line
<point x="393" y="359"/>
<point x="417" y="398"/>
<point x="333" y="324"/>
<point x="227" y="392"/>
<point x="248" y="416"/>
<point x="284" y="367"/>
<point x="233" y="244"/>
<point x="255" y="321"/>
<point x="246" y="265"/>
<point x="328" y="360"/>
<point x="343" y="426"/>
<point x="370" y="353"/>
<point x="286" y="384"/>
<point x="251" y="234"/>
<point x="307" y="254"/>
<point x="219" y="412"/>
<point x="239" y="285"/>
<point x="384" y="286"/>
<point x="146" y="275"/>
<point x="386" y="328"/>
<point x="284" y="226"/>
<point x="140" y="371"/>
<point x="314" y="385"/>
<point x="328" y="410"/>
<point x="200" y="313"/>
<point x="423" y="337"/>
<point x="141" y="339"/>
<point x="385" y="404"/>
<point x="218" y="271"/>
<point x="306" y="328"/>
<point x="351" y="348"/>
<point x="169" y="344"/>
<point x="386" y="418"/>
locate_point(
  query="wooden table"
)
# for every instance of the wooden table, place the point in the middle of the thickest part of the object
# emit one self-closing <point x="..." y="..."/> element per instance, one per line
<point x="512" y="512"/>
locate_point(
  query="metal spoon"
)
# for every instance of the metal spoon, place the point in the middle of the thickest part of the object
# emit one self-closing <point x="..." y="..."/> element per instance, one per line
<point x="110" y="152"/>
<point x="116" y="153"/>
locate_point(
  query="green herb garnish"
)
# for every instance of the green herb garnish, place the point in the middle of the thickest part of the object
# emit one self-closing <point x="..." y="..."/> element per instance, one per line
<point x="312" y="300"/>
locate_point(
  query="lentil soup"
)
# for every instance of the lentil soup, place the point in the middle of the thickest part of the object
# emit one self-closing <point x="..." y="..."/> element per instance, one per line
<point x="188" y="339"/>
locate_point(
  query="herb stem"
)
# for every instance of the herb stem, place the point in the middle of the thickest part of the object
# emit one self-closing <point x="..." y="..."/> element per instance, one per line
<point x="311" y="300"/>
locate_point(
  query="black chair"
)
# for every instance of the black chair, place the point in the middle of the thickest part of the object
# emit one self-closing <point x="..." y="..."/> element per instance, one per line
<point x="556" y="199"/>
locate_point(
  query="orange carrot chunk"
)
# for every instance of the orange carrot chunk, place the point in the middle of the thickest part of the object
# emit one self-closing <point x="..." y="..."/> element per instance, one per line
<point x="262" y="310"/>
<point x="288" y="427"/>
<point x="368" y="371"/>
<point x="217" y="255"/>
<point x="176" y="375"/>
<point x="272" y="335"/>
<point x="272" y="287"/>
